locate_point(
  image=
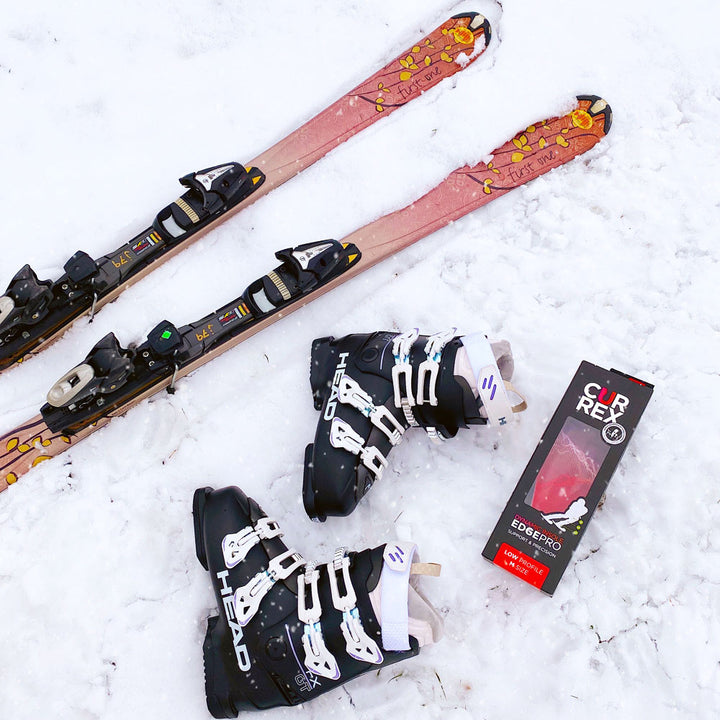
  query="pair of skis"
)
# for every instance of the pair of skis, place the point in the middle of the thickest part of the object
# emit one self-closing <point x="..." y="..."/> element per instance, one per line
<point x="112" y="379"/>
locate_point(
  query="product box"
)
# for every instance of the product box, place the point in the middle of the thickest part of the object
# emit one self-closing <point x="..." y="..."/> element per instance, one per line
<point x="567" y="475"/>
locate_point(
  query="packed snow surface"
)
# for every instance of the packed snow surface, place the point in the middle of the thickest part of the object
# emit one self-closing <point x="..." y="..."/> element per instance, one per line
<point x="612" y="258"/>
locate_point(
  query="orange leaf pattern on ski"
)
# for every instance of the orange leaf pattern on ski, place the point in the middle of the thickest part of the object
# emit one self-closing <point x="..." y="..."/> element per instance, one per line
<point x="409" y="62"/>
<point x="541" y="146"/>
<point x="419" y="67"/>
<point x="27" y="446"/>
<point x="521" y="143"/>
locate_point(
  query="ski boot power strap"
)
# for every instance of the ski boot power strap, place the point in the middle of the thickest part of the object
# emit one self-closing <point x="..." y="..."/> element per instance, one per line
<point x="491" y="387"/>
<point x="372" y="388"/>
<point x="397" y="565"/>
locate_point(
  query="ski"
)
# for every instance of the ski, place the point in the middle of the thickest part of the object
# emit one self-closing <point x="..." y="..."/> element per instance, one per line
<point x="35" y="312"/>
<point x="112" y="379"/>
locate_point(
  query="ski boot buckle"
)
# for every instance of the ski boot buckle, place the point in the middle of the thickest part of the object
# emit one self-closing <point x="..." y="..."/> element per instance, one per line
<point x="342" y="436"/>
<point x="317" y="657"/>
<point x="402" y="370"/>
<point x="431" y="366"/>
<point x="249" y="596"/>
<point x="350" y="393"/>
<point x="236" y="546"/>
<point x="358" y="644"/>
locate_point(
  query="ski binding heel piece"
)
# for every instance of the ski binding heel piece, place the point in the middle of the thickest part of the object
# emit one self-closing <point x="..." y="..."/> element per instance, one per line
<point x="211" y="192"/>
<point x="304" y="268"/>
<point x="26" y="299"/>
<point x="104" y="370"/>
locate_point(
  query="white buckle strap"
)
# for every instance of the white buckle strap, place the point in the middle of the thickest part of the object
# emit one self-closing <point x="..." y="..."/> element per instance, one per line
<point x="235" y="546"/>
<point x="248" y="598"/>
<point x="358" y="644"/>
<point x="402" y="370"/>
<point x="317" y="657"/>
<point x="490" y="384"/>
<point x="342" y="436"/>
<point x="397" y="564"/>
<point x="350" y="393"/>
<point x="431" y="366"/>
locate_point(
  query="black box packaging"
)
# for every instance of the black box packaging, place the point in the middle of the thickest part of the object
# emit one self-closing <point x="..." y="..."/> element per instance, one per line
<point x="567" y="475"/>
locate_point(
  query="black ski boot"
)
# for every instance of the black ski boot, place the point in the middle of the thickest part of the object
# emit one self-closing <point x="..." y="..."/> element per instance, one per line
<point x="371" y="388"/>
<point x="288" y="630"/>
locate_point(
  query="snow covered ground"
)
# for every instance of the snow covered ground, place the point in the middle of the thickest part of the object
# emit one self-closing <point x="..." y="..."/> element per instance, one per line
<point x="612" y="259"/>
